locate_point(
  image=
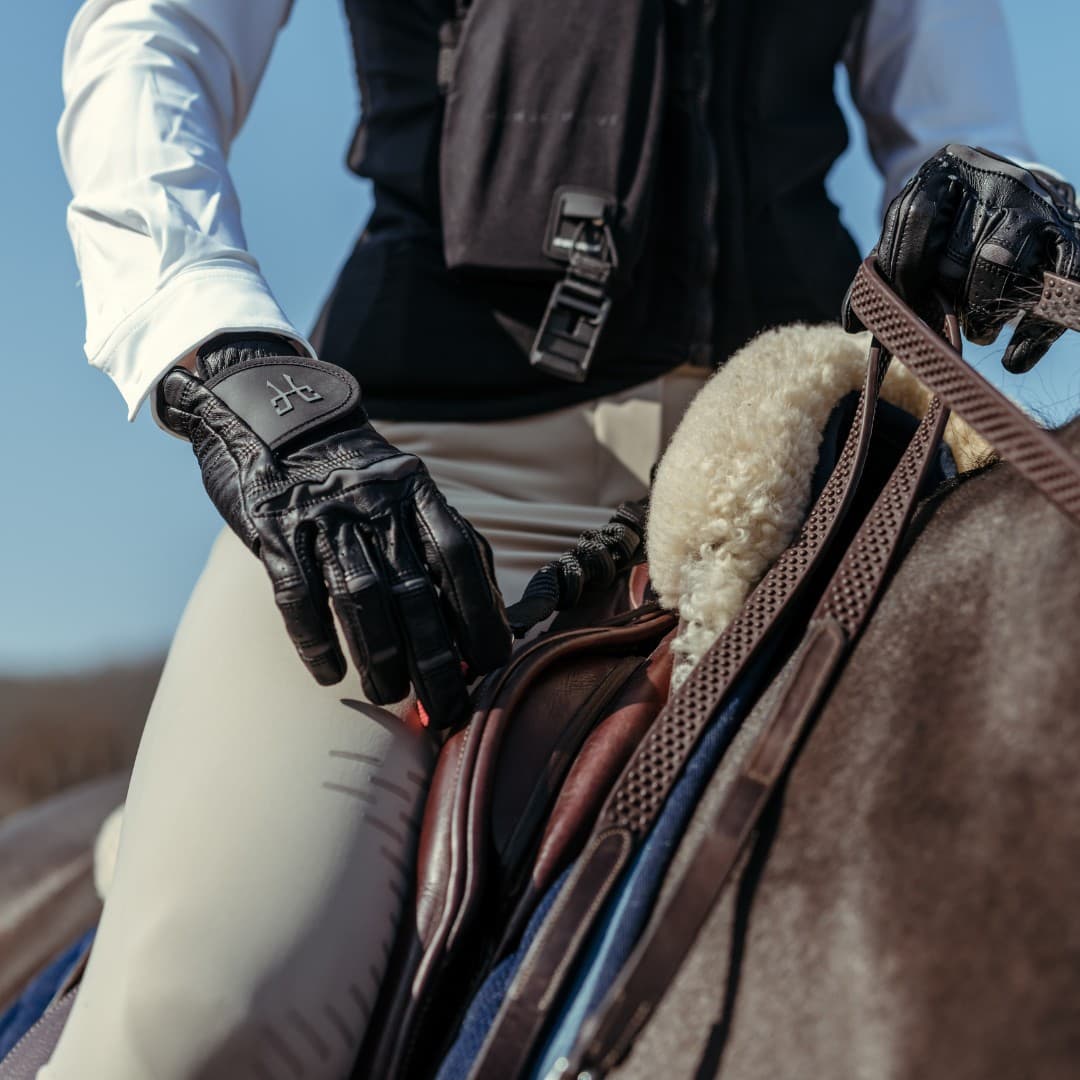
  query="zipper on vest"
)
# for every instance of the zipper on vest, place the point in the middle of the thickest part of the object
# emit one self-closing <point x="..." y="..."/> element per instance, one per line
<point x="701" y="352"/>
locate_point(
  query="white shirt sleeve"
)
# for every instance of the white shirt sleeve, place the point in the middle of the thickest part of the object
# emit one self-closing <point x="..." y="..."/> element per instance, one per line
<point x="925" y="73"/>
<point x="155" y="91"/>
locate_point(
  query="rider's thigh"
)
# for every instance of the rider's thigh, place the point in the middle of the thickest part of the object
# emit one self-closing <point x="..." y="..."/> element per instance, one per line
<point x="265" y="854"/>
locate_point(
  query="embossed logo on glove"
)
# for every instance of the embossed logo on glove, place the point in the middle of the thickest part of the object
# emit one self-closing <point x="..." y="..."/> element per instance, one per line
<point x="281" y="397"/>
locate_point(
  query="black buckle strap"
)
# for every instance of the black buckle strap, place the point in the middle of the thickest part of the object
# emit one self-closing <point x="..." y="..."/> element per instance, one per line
<point x="578" y="307"/>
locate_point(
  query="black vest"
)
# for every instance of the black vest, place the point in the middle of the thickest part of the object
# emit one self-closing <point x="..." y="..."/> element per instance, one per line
<point x="743" y="235"/>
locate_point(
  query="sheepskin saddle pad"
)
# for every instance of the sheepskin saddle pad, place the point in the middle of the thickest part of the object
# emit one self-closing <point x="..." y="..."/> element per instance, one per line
<point x="734" y="484"/>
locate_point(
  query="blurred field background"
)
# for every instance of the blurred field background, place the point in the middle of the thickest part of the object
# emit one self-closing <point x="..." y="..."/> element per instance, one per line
<point x="104" y="525"/>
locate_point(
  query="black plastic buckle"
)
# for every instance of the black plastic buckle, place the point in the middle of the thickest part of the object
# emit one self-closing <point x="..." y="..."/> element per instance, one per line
<point x="566" y="340"/>
<point x="578" y="307"/>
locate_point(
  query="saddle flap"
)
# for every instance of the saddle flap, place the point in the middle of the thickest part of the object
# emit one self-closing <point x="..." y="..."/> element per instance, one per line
<point x="491" y="793"/>
<point x="594" y="771"/>
<point x="600" y="762"/>
<point x="549" y="700"/>
<point x="537" y="753"/>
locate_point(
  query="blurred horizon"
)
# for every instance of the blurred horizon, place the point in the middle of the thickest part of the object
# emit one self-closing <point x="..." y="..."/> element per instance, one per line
<point x="106" y="524"/>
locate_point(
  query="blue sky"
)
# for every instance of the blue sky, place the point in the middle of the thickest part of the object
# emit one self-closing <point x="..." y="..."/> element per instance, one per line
<point x="104" y="525"/>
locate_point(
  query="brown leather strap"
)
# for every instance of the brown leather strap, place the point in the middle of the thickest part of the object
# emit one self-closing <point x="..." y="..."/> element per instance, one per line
<point x="1030" y="449"/>
<point x="635" y="802"/>
<point x="1059" y="302"/>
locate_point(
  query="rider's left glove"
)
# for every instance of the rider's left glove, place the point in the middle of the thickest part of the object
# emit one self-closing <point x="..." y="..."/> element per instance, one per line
<point x="341" y="518"/>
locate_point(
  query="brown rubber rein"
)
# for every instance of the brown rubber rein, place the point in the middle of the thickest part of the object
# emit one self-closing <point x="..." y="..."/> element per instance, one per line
<point x="842" y="611"/>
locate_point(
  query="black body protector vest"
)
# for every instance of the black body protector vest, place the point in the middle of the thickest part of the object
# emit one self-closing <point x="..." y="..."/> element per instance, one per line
<point x="570" y="199"/>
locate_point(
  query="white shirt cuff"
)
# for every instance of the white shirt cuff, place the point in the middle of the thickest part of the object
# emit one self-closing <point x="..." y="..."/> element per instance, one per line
<point x="191" y="308"/>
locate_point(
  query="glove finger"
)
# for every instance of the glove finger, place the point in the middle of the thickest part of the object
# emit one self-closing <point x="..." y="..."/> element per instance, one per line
<point x="302" y="600"/>
<point x="918" y="230"/>
<point x="848" y="319"/>
<point x="998" y="280"/>
<point x="434" y="662"/>
<point x="1064" y="250"/>
<point x="358" y="591"/>
<point x="461" y="563"/>
<point x="1030" y="341"/>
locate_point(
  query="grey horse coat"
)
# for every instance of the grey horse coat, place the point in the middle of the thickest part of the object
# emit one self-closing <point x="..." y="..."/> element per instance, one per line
<point x="912" y="908"/>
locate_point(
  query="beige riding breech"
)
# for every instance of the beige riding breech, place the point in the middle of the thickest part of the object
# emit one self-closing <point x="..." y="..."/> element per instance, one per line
<point x="267" y="845"/>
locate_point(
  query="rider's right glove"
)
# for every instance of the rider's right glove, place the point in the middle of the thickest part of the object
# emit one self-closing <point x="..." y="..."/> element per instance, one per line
<point x="340" y="517"/>
<point x="981" y="230"/>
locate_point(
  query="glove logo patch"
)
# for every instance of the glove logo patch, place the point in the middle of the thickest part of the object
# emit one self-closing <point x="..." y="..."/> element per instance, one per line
<point x="280" y="401"/>
<point x="327" y="392"/>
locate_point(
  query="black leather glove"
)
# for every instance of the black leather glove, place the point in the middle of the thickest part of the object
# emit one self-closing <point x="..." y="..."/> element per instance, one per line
<point x="981" y="230"/>
<point x="341" y="518"/>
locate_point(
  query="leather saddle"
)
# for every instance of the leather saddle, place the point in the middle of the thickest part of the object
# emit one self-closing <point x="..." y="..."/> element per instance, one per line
<point x="512" y="799"/>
